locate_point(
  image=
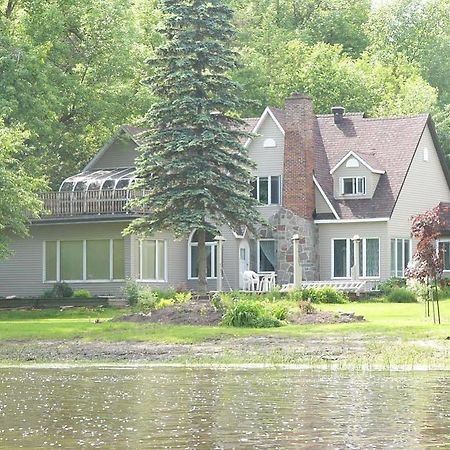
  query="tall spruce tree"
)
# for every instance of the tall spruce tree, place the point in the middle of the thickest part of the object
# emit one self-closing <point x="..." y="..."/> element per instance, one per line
<point x="192" y="164"/>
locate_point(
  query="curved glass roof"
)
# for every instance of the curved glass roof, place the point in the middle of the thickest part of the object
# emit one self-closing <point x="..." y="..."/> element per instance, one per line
<point x="95" y="180"/>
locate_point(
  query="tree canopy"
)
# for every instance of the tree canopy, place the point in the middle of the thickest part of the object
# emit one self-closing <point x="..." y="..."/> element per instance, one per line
<point x="71" y="69"/>
<point x="18" y="187"/>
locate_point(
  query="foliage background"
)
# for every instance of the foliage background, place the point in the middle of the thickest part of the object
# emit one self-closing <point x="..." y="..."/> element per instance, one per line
<point x="71" y="69"/>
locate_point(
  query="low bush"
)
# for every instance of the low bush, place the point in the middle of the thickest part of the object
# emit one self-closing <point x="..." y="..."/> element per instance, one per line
<point x="183" y="297"/>
<point x="250" y="314"/>
<point x="325" y="294"/>
<point x="147" y="300"/>
<point x="401" y="295"/>
<point x="166" y="293"/>
<point x="279" y="311"/>
<point x="391" y="283"/>
<point x="59" y="290"/>
<point x="164" y="303"/>
<point x="82" y="293"/>
<point x="306" y="307"/>
<point x="131" y="291"/>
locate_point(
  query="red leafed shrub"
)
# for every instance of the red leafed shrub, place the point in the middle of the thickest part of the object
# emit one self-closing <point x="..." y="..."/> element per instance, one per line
<point x="427" y="263"/>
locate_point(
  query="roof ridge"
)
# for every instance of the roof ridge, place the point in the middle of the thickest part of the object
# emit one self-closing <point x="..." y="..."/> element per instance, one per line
<point x="353" y="113"/>
<point x="416" y="116"/>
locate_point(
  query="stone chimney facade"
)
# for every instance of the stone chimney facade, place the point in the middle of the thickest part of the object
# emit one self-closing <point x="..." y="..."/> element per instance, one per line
<point x="298" y="184"/>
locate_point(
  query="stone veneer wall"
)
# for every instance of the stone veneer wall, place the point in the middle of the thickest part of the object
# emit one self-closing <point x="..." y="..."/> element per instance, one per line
<point x="284" y="225"/>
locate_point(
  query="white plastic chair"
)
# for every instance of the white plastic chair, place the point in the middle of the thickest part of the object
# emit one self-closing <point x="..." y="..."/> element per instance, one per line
<point x="250" y="280"/>
<point x="267" y="282"/>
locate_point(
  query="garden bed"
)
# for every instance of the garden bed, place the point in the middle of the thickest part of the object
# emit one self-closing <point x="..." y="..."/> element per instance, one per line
<point x="195" y="313"/>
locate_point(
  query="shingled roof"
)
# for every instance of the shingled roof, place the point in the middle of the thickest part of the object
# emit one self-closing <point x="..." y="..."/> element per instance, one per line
<point x="387" y="144"/>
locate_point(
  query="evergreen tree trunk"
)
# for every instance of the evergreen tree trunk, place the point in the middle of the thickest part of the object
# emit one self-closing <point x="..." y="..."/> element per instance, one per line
<point x="202" y="267"/>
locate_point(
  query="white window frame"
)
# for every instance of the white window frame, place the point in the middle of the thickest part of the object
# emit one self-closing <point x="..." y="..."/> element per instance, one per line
<point x="363" y="263"/>
<point x="355" y="181"/>
<point x="213" y="246"/>
<point x="157" y="279"/>
<point x="347" y="259"/>
<point x="84" y="280"/>
<point x="363" y="243"/>
<point x="403" y="255"/>
<point x="438" y="241"/>
<point x="259" y="254"/>
<point x="269" y="190"/>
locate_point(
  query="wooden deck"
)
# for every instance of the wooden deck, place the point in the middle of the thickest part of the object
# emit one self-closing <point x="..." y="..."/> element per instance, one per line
<point x="89" y="203"/>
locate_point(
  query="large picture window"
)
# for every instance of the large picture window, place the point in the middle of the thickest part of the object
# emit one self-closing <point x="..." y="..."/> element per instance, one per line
<point x="401" y="254"/>
<point x="343" y="257"/>
<point x="71" y="257"/>
<point x="84" y="260"/>
<point x="267" y="259"/>
<point x="51" y="250"/>
<point x="267" y="190"/>
<point x="211" y="256"/>
<point x="153" y="260"/>
<point x="97" y="260"/>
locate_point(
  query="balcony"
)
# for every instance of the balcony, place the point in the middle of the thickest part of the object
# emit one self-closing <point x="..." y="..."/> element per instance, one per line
<point x="90" y="203"/>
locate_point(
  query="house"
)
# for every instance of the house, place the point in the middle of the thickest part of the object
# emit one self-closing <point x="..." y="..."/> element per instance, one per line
<point x="338" y="180"/>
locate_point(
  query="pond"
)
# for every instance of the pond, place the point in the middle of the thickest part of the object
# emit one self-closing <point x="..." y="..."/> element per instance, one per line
<point x="168" y="407"/>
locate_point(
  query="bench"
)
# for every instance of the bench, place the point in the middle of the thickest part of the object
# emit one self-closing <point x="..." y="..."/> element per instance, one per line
<point x="350" y="286"/>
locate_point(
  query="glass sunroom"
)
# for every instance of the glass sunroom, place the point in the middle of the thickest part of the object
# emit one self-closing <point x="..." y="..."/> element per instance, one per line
<point x="105" y="191"/>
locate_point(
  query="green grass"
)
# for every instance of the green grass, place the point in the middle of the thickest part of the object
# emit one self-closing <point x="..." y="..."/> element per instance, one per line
<point x="384" y="320"/>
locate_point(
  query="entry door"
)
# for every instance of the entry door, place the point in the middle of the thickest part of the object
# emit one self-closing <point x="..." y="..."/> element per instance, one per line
<point x="244" y="260"/>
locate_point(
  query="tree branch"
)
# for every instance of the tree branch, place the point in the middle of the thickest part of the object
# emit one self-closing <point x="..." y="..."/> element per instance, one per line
<point x="10" y="8"/>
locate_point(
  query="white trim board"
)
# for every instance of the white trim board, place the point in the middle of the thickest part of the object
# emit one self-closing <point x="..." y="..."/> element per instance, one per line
<point x="266" y="112"/>
<point x="376" y="219"/>
<point x="322" y="192"/>
<point x="360" y="159"/>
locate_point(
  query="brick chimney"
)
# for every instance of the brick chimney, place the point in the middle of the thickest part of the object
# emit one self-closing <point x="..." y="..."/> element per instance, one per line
<point x="298" y="184"/>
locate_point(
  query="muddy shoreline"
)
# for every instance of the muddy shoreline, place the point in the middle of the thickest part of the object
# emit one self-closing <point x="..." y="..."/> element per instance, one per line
<point x="338" y="351"/>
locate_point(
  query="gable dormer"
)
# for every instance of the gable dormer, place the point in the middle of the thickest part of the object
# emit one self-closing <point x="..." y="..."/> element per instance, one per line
<point x="354" y="177"/>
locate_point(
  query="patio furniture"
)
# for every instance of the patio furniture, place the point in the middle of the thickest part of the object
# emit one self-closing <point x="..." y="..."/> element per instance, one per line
<point x="250" y="280"/>
<point x="267" y="281"/>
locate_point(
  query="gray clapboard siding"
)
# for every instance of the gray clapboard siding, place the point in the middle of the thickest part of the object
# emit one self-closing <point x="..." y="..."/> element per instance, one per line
<point x="321" y="205"/>
<point x="327" y="232"/>
<point x="269" y="160"/>
<point x="22" y="273"/>
<point x="121" y="153"/>
<point x="424" y="187"/>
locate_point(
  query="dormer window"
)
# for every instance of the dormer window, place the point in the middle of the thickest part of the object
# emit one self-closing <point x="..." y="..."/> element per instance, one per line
<point x="353" y="186"/>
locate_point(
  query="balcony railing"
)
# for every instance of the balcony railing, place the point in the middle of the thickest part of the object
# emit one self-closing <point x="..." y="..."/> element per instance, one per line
<point x="89" y="203"/>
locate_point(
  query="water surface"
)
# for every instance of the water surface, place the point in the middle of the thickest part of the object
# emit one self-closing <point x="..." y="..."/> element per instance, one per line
<point x="162" y="407"/>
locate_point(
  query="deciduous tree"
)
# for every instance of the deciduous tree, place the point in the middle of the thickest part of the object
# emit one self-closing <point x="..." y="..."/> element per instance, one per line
<point x="18" y="187"/>
<point x="427" y="264"/>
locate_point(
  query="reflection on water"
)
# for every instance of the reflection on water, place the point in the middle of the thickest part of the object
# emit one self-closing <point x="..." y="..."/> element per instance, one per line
<point x="235" y="408"/>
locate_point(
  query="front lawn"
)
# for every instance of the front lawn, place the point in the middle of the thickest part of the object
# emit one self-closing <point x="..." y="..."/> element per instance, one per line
<point x="404" y="321"/>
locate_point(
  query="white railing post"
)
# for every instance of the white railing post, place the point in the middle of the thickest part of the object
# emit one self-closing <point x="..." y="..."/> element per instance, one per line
<point x="355" y="269"/>
<point x="220" y="240"/>
<point x="296" y="261"/>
